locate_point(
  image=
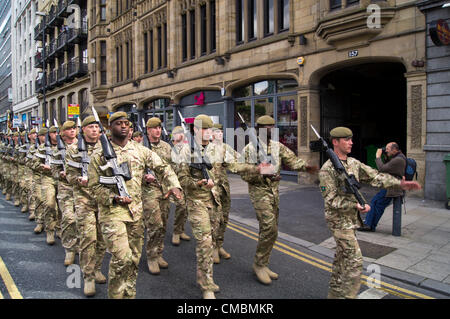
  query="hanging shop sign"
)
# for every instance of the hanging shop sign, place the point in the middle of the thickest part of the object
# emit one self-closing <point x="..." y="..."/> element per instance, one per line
<point x="440" y="32"/>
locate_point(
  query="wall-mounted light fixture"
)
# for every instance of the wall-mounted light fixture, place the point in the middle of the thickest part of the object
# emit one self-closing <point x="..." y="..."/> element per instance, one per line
<point x="219" y="60"/>
<point x="170" y="74"/>
<point x="302" y="39"/>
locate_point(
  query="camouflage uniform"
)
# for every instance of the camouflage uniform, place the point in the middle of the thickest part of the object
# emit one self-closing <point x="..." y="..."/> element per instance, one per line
<point x="181" y="213"/>
<point x="341" y="217"/>
<point x="156" y="208"/>
<point x="265" y="196"/>
<point x="37" y="189"/>
<point x="122" y="226"/>
<point x="92" y="247"/>
<point x="25" y="181"/>
<point x="66" y="203"/>
<point x="32" y="181"/>
<point x="14" y="171"/>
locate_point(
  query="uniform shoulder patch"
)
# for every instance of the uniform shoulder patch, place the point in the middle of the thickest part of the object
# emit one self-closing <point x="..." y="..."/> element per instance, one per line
<point x="323" y="188"/>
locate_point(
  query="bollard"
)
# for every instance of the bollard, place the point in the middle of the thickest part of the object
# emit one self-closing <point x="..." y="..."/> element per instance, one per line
<point x="397" y="217"/>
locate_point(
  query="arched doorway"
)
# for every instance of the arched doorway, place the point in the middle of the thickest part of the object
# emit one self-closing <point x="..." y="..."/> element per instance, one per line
<point x="370" y="99"/>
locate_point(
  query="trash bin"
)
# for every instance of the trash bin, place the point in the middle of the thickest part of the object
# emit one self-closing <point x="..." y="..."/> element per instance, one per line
<point x="447" y="183"/>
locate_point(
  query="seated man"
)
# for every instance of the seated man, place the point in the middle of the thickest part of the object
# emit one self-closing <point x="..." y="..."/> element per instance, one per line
<point x="395" y="165"/>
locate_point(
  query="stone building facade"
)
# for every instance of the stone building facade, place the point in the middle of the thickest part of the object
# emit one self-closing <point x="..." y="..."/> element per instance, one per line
<point x="320" y="62"/>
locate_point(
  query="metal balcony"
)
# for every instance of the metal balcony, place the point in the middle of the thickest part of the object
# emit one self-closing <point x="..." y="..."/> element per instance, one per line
<point x="61" y="41"/>
<point x="77" y="35"/>
<point x="53" y="18"/>
<point x="38" y="60"/>
<point x="76" y="68"/>
<point x="39" y="31"/>
<point x="62" y="7"/>
<point x="51" y="48"/>
<point x="62" y="73"/>
<point x="51" y="79"/>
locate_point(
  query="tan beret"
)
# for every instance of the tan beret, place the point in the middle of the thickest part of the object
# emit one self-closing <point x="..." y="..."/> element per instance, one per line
<point x="16" y="134"/>
<point x="33" y="131"/>
<point x="52" y="129"/>
<point x="265" y="120"/>
<point x="23" y="133"/>
<point x="153" y="122"/>
<point x="137" y="134"/>
<point x="43" y="131"/>
<point x="177" y="130"/>
<point x="88" y="120"/>
<point x="203" y="121"/>
<point x="116" y="116"/>
<point x="217" y="126"/>
<point x="339" y="132"/>
<point x="68" y="125"/>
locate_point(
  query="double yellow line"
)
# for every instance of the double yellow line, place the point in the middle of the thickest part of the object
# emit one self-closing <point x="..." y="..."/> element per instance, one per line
<point x="322" y="264"/>
<point x="9" y="282"/>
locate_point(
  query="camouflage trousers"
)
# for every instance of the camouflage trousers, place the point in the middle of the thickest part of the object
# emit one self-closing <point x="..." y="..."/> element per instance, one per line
<point x="124" y="241"/>
<point x="180" y="217"/>
<point x="267" y="212"/>
<point x="204" y="217"/>
<point x="69" y="233"/>
<point x="347" y="265"/>
<point x="37" y="198"/>
<point x="25" y="185"/>
<point x="156" y="213"/>
<point x="225" y="202"/>
<point x="92" y="247"/>
<point x="48" y="198"/>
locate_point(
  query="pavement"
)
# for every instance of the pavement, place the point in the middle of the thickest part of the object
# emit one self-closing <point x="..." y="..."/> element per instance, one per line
<point x="420" y="256"/>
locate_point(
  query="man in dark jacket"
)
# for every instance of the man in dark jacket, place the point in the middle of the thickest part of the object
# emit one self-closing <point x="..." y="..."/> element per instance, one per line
<point x="395" y="165"/>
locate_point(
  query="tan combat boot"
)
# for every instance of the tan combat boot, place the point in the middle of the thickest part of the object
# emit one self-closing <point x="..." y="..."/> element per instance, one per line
<point x="208" y="294"/>
<point x="31" y="217"/>
<point x="70" y="258"/>
<point x="89" y="287"/>
<point x="16" y="202"/>
<point x="262" y="275"/>
<point x="185" y="237"/>
<point x="51" y="237"/>
<point x="8" y="197"/>
<point x="162" y="263"/>
<point x="153" y="266"/>
<point x="99" y="277"/>
<point x="216" y="256"/>
<point x="175" y="240"/>
<point x="223" y="253"/>
<point x="272" y="275"/>
<point x="38" y="229"/>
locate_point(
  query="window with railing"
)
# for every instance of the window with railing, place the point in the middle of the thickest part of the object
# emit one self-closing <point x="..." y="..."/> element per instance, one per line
<point x="103" y="66"/>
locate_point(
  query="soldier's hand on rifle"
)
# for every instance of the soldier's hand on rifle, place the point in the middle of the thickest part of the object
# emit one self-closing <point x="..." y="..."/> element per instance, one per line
<point x="83" y="181"/>
<point x="46" y="167"/>
<point x="364" y="209"/>
<point x="176" y="192"/>
<point x="122" y="200"/>
<point x="149" y="178"/>
<point x="62" y="174"/>
<point x="266" y="169"/>
<point x="208" y="183"/>
<point x="409" y="185"/>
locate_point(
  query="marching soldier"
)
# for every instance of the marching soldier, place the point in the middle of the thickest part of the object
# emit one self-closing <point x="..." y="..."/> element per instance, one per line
<point x="15" y="170"/>
<point x="342" y="209"/>
<point x="264" y="194"/>
<point x="121" y="216"/>
<point x="65" y="197"/>
<point x="92" y="247"/>
<point x="37" y="180"/>
<point x="32" y="135"/>
<point x="138" y="137"/>
<point x="25" y="181"/>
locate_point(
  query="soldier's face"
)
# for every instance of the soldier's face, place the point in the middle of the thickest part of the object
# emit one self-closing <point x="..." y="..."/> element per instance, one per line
<point x="178" y="137"/>
<point x="15" y="138"/>
<point x="91" y="131"/>
<point x="32" y="136"/>
<point x="154" y="132"/>
<point x="41" y="139"/>
<point x="138" y="139"/>
<point x="218" y="135"/>
<point x="120" y="128"/>
<point x="70" y="133"/>
<point x="343" y="145"/>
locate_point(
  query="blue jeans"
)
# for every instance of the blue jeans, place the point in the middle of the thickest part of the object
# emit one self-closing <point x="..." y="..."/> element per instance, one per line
<point x="377" y="206"/>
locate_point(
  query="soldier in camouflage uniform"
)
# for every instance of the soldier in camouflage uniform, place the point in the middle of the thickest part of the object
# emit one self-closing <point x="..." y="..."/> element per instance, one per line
<point x="9" y="167"/>
<point x="138" y="137"/>
<point x="25" y="181"/>
<point x="203" y="202"/>
<point x="156" y="207"/>
<point x="2" y="162"/>
<point x="180" y="148"/>
<point x="120" y="217"/>
<point x="342" y="209"/>
<point x="65" y="197"/>
<point x="35" y="165"/>
<point x="264" y="193"/>
<point x="15" y="170"/>
<point x="92" y="247"/>
<point x="49" y="188"/>
<point x="31" y="197"/>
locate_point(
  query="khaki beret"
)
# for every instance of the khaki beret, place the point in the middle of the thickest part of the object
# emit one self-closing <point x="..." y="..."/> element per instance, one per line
<point x="52" y="129"/>
<point x="23" y="133"/>
<point x="217" y="126"/>
<point x="33" y="131"/>
<point x="265" y="120"/>
<point x="177" y="130"/>
<point x="137" y="134"/>
<point x="153" y="122"/>
<point x="339" y="132"/>
<point x="88" y="120"/>
<point x="43" y="131"/>
<point x="203" y="121"/>
<point x="68" y="125"/>
<point x="116" y="116"/>
<point x="16" y="134"/>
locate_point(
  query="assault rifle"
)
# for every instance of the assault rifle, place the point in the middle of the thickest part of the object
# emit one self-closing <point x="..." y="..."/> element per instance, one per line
<point x="48" y="147"/>
<point x="146" y="142"/>
<point x="205" y="165"/>
<point x="352" y="186"/>
<point x="82" y="152"/>
<point x="121" y="173"/>
<point x="61" y="150"/>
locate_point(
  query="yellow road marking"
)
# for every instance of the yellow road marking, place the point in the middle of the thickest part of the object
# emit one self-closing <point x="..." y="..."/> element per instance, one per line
<point x="9" y="282"/>
<point x="319" y="263"/>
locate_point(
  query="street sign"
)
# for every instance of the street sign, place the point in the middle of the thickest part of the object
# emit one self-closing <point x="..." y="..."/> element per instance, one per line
<point x="73" y="111"/>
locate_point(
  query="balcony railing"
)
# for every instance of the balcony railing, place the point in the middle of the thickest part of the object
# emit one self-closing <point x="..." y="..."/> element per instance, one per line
<point x="77" y="35"/>
<point x="38" y="60"/>
<point x="38" y="30"/>
<point x="61" y="41"/>
<point x="52" y="76"/>
<point x="39" y="85"/>
<point x="69" y="2"/>
<point x="76" y="68"/>
<point x="62" y="9"/>
<point x="62" y="73"/>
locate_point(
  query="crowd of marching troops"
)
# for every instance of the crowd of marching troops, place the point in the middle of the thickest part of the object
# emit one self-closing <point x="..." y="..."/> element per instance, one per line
<point x="67" y="183"/>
